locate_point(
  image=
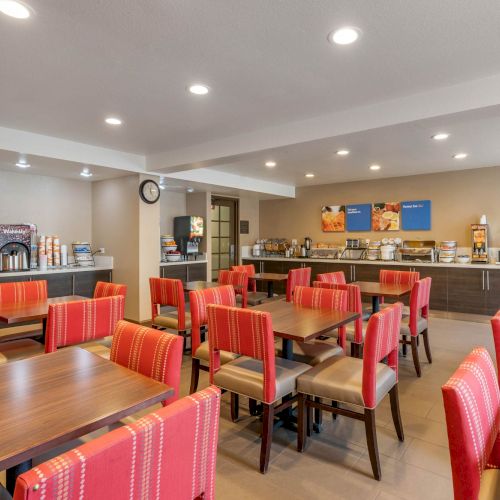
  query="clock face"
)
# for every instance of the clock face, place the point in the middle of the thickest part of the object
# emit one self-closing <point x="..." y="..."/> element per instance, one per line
<point x="149" y="191"/>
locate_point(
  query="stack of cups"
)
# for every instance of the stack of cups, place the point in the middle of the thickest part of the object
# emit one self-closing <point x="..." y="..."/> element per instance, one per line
<point x="64" y="255"/>
<point x="43" y="262"/>
<point x="41" y="245"/>
<point x="56" y="248"/>
<point x="49" y="250"/>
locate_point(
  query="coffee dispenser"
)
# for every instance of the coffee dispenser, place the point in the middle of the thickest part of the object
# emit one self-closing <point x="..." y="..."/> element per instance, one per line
<point x="479" y="243"/>
<point x="188" y="233"/>
<point x="15" y="246"/>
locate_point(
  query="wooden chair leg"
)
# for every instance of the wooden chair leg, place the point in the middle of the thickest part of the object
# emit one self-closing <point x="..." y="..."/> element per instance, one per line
<point x="195" y="375"/>
<point x="371" y="439"/>
<point x="404" y="345"/>
<point x="254" y="407"/>
<point x="235" y="406"/>
<point x="309" y="420"/>
<point x="301" y="422"/>
<point x="318" y="414"/>
<point x="427" y="346"/>
<point x="396" y="415"/>
<point x="267" y="437"/>
<point x="353" y="350"/>
<point x="334" y="405"/>
<point x="414" y="353"/>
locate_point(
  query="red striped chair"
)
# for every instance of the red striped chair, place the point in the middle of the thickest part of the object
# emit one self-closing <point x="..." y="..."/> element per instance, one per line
<point x="391" y="277"/>
<point x="254" y="297"/>
<point x="472" y="407"/>
<point x="418" y="322"/>
<point x="297" y="277"/>
<point x="83" y="322"/>
<point x="152" y="353"/>
<point x="239" y="281"/>
<point x="355" y="334"/>
<point x="361" y="383"/>
<point x="104" y="289"/>
<point x="337" y="277"/>
<point x="198" y="300"/>
<point x="257" y="373"/>
<point x="495" y="326"/>
<point x="169" y="453"/>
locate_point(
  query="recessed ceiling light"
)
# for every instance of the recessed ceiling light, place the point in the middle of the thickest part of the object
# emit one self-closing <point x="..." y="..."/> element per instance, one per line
<point x="343" y="152"/>
<point x="113" y="120"/>
<point x="460" y="156"/>
<point x="162" y="186"/>
<point x="310" y="175"/>
<point x="23" y="164"/>
<point x="374" y="167"/>
<point x="441" y="136"/>
<point x="14" y="9"/>
<point x="190" y="190"/>
<point x="270" y="164"/>
<point x="198" y="89"/>
<point x="86" y="172"/>
<point x="344" y="36"/>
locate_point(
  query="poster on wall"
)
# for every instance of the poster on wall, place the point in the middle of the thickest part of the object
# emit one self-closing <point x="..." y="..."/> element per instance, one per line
<point x="359" y="217"/>
<point x="333" y="219"/>
<point x="386" y="216"/>
<point x="416" y="215"/>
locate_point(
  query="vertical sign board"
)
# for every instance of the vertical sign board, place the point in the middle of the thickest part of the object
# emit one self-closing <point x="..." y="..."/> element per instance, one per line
<point x="416" y="215"/>
<point x="359" y="217"/>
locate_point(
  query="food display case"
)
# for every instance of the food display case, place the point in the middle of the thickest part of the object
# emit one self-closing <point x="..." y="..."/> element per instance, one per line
<point x="417" y="251"/>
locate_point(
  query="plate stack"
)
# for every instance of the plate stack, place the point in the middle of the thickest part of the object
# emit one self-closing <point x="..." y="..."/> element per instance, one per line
<point x="447" y="251"/>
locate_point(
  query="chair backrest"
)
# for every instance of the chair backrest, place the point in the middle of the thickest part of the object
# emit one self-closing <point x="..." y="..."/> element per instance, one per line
<point x="419" y="303"/>
<point x="23" y="291"/>
<point x="300" y="276"/>
<point x="153" y="353"/>
<point x="320" y="298"/>
<point x="390" y="277"/>
<point x="70" y="323"/>
<point x="169" y="453"/>
<point x="335" y="277"/>
<point x="239" y="280"/>
<point x="246" y="332"/>
<point x="105" y="289"/>
<point x="168" y="292"/>
<point x="381" y="341"/>
<point x="472" y="407"/>
<point x="250" y="270"/>
<point x="198" y="301"/>
<point x="495" y="326"/>
<point x="354" y="304"/>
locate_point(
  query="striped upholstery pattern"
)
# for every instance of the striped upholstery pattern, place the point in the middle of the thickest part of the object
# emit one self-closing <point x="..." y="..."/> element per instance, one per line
<point x="168" y="292"/>
<point x="245" y="332"/>
<point x="391" y="277"/>
<point x="495" y="326"/>
<point x="382" y="340"/>
<point x="472" y="407"/>
<point x="297" y="277"/>
<point x="198" y="300"/>
<point x="154" y="353"/>
<point x="419" y="303"/>
<point x="250" y="270"/>
<point x="354" y="304"/>
<point x="338" y="277"/>
<point x="23" y="291"/>
<point x="104" y="289"/>
<point x="169" y="453"/>
<point x="239" y="280"/>
<point x="70" y="323"/>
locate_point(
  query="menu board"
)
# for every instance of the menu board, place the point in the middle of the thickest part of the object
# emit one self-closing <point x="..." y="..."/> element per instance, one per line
<point x="358" y="217"/>
<point x="416" y="215"/>
<point x="386" y="216"/>
<point x="333" y="218"/>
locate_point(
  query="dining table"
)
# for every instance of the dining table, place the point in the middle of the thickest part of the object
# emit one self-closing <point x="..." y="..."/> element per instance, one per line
<point x="51" y="399"/>
<point x="270" y="279"/>
<point x="194" y="286"/>
<point x="375" y="290"/>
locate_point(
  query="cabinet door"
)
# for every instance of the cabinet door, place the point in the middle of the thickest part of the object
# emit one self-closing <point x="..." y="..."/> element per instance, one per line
<point x="367" y="272"/>
<point x="279" y="267"/>
<point x="467" y="291"/>
<point x="13" y="279"/>
<point x="60" y="284"/>
<point x="256" y="264"/>
<point x="85" y="281"/>
<point x="176" y="272"/>
<point x="493" y="295"/>
<point x="196" y="272"/>
<point x="276" y="266"/>
<point x="439" y="286"/>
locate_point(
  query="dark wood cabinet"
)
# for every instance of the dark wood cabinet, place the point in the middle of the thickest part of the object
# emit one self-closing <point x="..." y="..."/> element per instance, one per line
<point x="60" y="284"/>
<point x="467" y="291"/>
<point x="493" y="291"/>
<point x="197" y="272"/>
<point x="85" y="281"/>
<point x="439" y="286"/>
<point x="185" y="272"/>
<point x="178" y="272"/>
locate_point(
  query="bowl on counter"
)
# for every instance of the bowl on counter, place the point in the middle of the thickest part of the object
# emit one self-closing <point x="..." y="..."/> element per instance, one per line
<point x="175" y="257"/>
<point x="463" y="259"/>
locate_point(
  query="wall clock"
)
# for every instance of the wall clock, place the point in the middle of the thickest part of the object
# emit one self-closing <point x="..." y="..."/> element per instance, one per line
<point x="149" y="191"/>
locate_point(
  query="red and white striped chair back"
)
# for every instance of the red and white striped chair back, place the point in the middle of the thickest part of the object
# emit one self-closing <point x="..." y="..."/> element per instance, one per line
<point x="239" y="280"/>
<point x="390" y="277"/>
<point x="419" y="303"/>
<point x="338" y="277"/>
<point x="250" y="270"/>
<point x="297" y="277"/>
<point x="472" y="407"/>
<point x="246" y="332"/>
<point x="168" y="292"/>
<point x="495" y="326"/>
<point x="70" y="323"/>
<point x="105" y="289"/>
<point x="320" y="298"/>
<point x="169" y="453"/>
<point x="23" y="291"/>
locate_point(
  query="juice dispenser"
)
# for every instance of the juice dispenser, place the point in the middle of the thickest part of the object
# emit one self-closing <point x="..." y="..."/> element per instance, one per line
<point x="479" y="243"/>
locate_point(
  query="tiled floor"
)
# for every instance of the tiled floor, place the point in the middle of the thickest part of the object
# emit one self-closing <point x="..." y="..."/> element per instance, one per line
<point x="336" y="463"/>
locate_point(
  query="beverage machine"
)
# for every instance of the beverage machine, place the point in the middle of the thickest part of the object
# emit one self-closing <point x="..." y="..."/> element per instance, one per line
<point x="188" y="233"/>
<point x="17" y="247"/>
<point x="479" y="243"/>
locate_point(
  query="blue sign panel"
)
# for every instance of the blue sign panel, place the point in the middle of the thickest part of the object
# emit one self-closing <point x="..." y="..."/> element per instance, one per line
<point x="359" y="217"/>
<point x="416" y="215"/>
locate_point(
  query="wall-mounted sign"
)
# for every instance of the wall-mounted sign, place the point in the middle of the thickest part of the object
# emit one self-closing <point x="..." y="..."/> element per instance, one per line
<point x="244" y="227"/>
<point x="416" y="215"/>
<point x="359" y="217"/>
<point x="385" y="216"/>
<point x="333" y="219"/>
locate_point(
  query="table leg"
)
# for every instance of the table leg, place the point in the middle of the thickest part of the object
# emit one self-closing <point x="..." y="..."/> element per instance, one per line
<point x="375" y="304"/>
<point x="270" y="289"/>
<point x="15" y="471"/>
<point x="287" y="349"/>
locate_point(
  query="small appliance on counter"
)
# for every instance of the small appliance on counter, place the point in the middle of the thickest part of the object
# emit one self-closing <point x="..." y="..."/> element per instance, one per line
<point x="188" y="233"/>
<point x="447" y="252"/>
<point x="417" y="251"/>
<point x="355" y="249"/>
<point x="307" y="246"/>
<point x="373" y="252"/>
<point x="479" y="243"/>
<point x="16" y="242"/>
<point x="324" y="251"/>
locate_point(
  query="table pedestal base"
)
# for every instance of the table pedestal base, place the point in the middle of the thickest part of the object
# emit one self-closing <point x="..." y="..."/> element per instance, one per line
<point x="15" y="471"/>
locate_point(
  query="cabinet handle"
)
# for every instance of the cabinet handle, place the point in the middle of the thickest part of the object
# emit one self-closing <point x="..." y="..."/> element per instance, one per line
<point x="482" y="273"/>
<point x="187" y="272"/>
<point x="488" y="280"/>
<point x="73" y="284"/>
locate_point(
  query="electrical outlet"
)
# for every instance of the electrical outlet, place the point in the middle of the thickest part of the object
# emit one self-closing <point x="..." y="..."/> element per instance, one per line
<point x="102" y="250"/>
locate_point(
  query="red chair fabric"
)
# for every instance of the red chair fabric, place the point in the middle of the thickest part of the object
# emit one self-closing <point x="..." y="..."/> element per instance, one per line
<point x="154" y="353"/>
<point x="168" y="292"/>
<point x="23" y="291"/>
<point x="246" y="332"/>
<point x="250" y="270"/>
<point x="170" y="453"/>
<point x="71" y="323"/>
<point x="419" y="303"/>
<point x="338" y="277"/>
<point x="104" y="289"/>
<point x="472" y="407"/>
<point x="391" y="277"/>
<point x="495" y="326"/>
<point x="297" y="277"/>
<point x="239" y="280"/>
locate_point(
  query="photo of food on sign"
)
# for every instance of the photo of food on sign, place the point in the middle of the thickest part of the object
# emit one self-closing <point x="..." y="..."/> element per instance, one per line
<point x="333" y="218"/>
<point x="386" y="216"/>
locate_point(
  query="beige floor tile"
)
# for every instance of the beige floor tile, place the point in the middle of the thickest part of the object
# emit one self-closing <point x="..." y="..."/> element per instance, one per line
<point x="428" y="456"/>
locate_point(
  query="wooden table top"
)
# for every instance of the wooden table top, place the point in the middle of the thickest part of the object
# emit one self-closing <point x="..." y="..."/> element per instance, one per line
<point x="53" y="398"/>
<point x="375" y="289"/>
<point x="190" y="286"/>
<point x="32" y="311"/>
<point x="269" y="277"/>
<point x="298" y="323"/>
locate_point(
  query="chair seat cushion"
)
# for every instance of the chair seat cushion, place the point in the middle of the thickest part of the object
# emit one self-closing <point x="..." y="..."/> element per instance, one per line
<point x="340" y="379"/>
<point x="97" y="348"/>
<point x="421" y="326"/>
<point x="253" y="298"/>
<point x="490" y="485"/>
<point x="313" y="353"/>
<point x="245" y="376"/>
<point x="203" y="354"/>
<point x="20" y="349"/>
<point x="170" y="320"/>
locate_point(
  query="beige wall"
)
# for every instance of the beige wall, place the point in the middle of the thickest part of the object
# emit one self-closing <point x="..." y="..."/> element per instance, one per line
<point x="172" y="204"/>
<point x="249" y="210"/>
<point x="57" y="206"/>
<point x="200" y="204"/>
<point x="458" y="200"/>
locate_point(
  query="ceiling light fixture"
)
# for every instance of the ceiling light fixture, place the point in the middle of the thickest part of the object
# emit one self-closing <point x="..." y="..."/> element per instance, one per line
<point x="190" y="190"/>
<point x="270" y="164"/>
<point x="310" y="175"/>
<point x="344" y="36"/>
<point x="198" y="89"/>
<point x="22" y="164"/>
<point x="15" y="9"/>
<point x="374" y="167"/>
<point x="113" y="120"/>
<point x="162" y="186"/>
<point x="86" y="172"/>
<point x="441" y="136"/>
<point x="460" y="156"/>
<point x="343" y="152"/>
